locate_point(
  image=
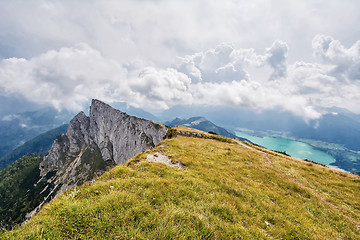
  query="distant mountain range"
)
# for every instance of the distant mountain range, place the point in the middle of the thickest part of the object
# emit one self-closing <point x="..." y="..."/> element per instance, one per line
<point x="38" y="145"/>
<point x="16" y="129"/>
<point x="338" y="126"/>
<point x="202" y="124"/>
<point x="337" y="132"/>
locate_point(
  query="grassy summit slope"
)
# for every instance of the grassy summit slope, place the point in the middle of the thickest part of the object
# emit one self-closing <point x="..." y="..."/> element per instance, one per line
<point x="224" y="191"/>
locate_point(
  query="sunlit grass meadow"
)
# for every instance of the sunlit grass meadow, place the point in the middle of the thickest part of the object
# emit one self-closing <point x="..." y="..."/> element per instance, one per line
<point x="224" y="191"/>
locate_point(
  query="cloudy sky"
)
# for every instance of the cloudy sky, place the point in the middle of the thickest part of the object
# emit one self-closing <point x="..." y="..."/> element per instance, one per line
<point x="297" y="56"/>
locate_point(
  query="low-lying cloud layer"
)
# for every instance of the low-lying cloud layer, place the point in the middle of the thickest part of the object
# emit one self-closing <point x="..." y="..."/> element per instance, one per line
<point x="69" y="77"/>
<point x="157" y="54"/>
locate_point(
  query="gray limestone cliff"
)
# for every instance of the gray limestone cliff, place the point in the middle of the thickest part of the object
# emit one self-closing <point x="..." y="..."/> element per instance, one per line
<point x="92" y="144"/>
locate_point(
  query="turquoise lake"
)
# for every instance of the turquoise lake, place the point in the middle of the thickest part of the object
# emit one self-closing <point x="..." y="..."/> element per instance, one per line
<point x="294" y="148"/>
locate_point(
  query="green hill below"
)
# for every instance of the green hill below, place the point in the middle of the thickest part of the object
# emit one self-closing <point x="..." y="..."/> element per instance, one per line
<point x="216" y="188"/>
<point x="20" y="190"/>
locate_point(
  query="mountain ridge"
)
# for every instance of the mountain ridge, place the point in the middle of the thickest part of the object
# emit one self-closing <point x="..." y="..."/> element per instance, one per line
<point x="90" y="146"/>
<point x="93" y="144"/>
<point x="224" y="190"/>
<point x="211" y="186"/>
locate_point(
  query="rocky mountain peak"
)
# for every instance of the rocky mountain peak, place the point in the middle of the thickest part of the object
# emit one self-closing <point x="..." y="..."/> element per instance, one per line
<point x="92" y="143"/>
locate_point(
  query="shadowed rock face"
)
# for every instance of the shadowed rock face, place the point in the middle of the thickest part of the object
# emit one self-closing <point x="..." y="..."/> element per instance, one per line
<point x="92" y="143"/>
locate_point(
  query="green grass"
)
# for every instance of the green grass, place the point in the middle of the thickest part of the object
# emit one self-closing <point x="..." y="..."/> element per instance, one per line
<point x="225" y="191"/>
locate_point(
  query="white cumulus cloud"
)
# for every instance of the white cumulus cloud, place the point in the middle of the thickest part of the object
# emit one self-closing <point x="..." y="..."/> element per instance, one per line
<point x="70" y="76"/>
<point x="346" y="61"/>
<point x="160" y="88"/>
<point x="66" y="78"/>
<point x="223" y="63"/>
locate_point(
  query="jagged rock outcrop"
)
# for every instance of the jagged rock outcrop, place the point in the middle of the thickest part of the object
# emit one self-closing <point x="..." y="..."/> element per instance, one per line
<point x="93" y="143"/>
